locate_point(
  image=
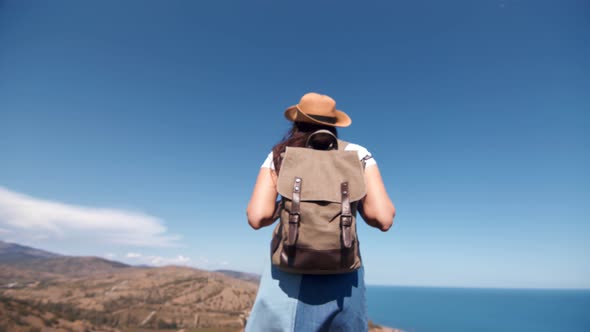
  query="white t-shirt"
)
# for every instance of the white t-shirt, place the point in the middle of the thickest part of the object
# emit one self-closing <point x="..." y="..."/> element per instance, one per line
<point x="362" y="153"/>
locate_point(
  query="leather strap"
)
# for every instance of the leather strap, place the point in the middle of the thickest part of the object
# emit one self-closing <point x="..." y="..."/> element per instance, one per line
<point x="294" y="214"/>
<point x="346" y="216"/>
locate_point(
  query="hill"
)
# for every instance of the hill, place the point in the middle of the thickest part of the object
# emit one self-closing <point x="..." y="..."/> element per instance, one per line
<point x="12" y="252"/>
<point x="241" y="275"/>
<point x="39" y="290"/>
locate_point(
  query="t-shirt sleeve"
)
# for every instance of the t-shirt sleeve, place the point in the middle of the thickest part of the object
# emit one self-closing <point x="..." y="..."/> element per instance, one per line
<point x="362" y="153"/>
<point x="268" y="163"/>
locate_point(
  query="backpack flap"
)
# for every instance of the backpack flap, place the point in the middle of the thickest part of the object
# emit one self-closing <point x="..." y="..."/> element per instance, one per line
<point x="321" y="173"/>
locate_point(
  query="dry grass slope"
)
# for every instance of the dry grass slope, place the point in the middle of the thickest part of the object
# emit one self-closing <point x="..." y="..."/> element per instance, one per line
<point x="169" y="297"/>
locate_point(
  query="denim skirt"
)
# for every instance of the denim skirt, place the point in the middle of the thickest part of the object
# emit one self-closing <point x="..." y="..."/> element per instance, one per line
<point x="289" y="302"/>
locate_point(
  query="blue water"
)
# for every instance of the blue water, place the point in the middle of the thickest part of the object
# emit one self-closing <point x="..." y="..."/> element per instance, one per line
<point x="425" y="309"/>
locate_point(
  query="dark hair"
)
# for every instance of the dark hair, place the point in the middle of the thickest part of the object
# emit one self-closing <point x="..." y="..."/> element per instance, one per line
<point x="296" y="137"/>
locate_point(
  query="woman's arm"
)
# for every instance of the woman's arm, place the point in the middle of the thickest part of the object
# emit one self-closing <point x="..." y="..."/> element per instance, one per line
<point x="377" y="209"/>
<point x="262" y="205"/>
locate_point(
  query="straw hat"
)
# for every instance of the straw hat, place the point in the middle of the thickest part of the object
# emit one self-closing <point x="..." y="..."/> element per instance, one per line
<point x="317" y="108"/>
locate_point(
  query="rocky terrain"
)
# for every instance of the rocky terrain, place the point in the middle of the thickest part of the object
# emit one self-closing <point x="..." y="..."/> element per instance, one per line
<point x="41" y="291"/>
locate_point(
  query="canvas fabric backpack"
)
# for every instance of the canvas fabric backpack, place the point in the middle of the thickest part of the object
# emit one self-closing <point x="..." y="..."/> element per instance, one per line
<point x="320" y="192"/>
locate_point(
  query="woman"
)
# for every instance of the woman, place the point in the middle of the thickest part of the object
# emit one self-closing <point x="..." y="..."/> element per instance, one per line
<point x="303" y="302"/>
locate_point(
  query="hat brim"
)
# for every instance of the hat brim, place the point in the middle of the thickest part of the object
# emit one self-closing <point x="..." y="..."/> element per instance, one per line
<point x="295" y="115"/>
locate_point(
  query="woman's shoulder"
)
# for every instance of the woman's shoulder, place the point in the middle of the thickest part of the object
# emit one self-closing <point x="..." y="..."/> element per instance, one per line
<point x="362" y="152"/>
<point x="354" y="147"/>
<point x="268" y="162"/>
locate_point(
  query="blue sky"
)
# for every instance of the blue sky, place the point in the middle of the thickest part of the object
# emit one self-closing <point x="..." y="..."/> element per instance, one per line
<point x="135" y="130"/>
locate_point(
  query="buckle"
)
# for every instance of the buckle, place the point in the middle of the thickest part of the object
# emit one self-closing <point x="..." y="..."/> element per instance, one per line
<point x="346" y="220"/>
<point x="294" y="218"/>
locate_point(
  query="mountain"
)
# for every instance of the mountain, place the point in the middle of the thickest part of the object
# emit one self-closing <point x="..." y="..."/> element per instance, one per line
<point x="12" y="252"/>
<point x="35" y="263"/>
<point x="241" y="275"/>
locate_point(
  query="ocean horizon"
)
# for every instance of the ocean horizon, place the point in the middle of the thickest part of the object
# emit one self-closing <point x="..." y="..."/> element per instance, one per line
<point x="428" y="309"/>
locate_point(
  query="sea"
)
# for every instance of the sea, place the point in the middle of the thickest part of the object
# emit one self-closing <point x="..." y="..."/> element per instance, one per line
<point x="432" y="309"/>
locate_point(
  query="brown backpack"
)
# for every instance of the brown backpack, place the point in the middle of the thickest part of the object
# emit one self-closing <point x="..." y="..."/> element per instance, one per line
<point x="320" y="191"/>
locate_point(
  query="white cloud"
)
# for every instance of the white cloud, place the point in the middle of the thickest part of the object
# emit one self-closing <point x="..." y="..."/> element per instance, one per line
<point x="200" y="262"/>
<point x="158" y="260"/>
<point x="178" y="260"/>
<point x="32" y="217"/>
